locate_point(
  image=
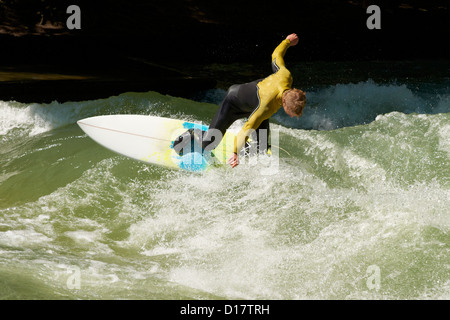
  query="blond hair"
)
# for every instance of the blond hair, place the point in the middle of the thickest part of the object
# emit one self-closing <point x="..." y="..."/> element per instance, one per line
<point x="294" y="101"/>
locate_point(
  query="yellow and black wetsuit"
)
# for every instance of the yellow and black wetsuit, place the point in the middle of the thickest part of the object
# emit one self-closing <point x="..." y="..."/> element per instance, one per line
<point x="258" y="100"/>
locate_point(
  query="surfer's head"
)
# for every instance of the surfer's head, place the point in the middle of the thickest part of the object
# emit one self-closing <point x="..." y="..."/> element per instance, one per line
<point x="294" y="100"/>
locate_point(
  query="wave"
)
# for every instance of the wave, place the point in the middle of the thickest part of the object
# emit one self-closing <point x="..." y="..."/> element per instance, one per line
<point x="328" y="108"/>
<point x="26" y="120"/>
<point x="344" y="105"/>
<point x="343" y="202"/>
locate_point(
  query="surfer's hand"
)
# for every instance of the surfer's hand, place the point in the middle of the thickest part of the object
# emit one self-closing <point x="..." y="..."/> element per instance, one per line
<point x="293" y="38"/>
<point x="233" y="161"/>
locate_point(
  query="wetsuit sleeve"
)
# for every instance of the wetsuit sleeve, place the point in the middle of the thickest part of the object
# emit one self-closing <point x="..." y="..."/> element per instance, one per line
<point x="260" y="114"/>
<point x="252" y="124"/>
<point x="278" y="55"/>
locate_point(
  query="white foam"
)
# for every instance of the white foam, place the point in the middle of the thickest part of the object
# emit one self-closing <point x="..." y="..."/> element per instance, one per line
<point x="23" y="238"/>
<point x="350" y="104"/>
<point x="83" y="236"/>
<point x="444" y="139"/>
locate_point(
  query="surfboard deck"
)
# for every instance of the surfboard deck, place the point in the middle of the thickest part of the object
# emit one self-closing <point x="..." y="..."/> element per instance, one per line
<point x="150" y="139"/>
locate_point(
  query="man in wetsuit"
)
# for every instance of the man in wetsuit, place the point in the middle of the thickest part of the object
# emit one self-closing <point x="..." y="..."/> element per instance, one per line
<point x="258" y="100"/>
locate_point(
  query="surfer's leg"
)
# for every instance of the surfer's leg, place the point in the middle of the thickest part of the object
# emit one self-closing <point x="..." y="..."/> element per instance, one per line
<point x="180" y="143"/>
<point x="222" y="120"/>
<point x="262" y="139"/>
<point x="262" y="134"/>
<point x="210" y="139"/>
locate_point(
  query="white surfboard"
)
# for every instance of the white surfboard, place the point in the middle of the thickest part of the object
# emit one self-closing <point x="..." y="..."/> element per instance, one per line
<point x="150" y="139"/>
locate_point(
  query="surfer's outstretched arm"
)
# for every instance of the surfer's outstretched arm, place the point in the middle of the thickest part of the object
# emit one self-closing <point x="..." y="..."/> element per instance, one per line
<point x="279" y="52"/>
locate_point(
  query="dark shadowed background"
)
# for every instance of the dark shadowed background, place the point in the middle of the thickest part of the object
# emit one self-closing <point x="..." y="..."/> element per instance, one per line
<point x="127" y="45"/>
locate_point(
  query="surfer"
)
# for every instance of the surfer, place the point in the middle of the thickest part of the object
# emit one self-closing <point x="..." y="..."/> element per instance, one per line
<point x="258" y="100"/>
